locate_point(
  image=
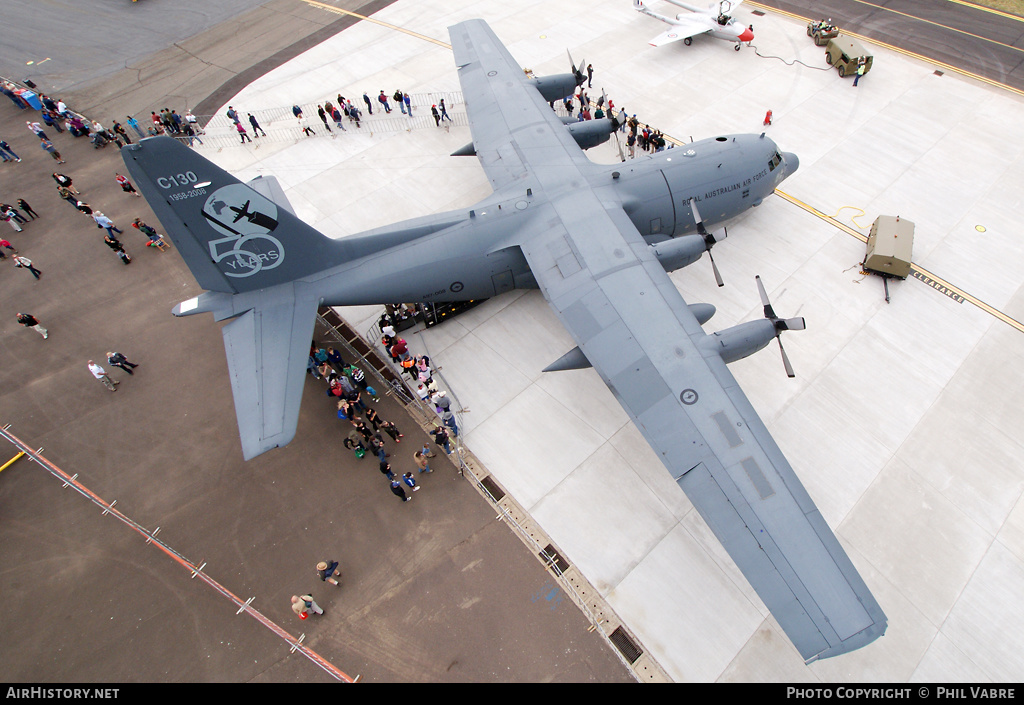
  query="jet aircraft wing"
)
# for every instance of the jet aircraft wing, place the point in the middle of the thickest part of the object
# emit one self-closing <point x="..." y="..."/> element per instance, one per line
<point x="612" y="294"/>
<point x="683" y="28"/>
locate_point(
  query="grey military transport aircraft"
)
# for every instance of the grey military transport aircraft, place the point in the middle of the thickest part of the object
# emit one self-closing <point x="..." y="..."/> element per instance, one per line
<point x="599" y="242"/>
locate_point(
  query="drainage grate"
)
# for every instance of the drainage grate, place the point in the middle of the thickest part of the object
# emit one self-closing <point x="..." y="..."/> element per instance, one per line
<point x="629" y="650"/>
<point x="938" y="73"/>
<point x="493" y="489"/>
<point x="550" y="554"/>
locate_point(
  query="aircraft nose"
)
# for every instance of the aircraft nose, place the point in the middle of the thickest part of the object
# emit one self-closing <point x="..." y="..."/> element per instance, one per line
<point x="747" y="36"/>
<point x="792" y="162"/>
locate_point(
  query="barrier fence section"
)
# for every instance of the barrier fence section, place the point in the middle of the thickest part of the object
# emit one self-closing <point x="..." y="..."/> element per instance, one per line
<point x="197" y="571"/>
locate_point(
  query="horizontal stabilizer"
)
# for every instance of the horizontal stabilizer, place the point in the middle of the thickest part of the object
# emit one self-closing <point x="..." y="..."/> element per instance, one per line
<point x="267" y="349"/>
<point x="572" y="360"/>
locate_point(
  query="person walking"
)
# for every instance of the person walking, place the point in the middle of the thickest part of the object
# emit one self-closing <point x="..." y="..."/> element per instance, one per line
<point x="23" y="205"/>
<point x="66" y="182"/>
<point x="29" y="321"/>
<point x="115" y="244"/>
<point x="101" y="374"/>
<point x="396" y="489"/>
<point x="369" y="104"/>
<point x="408" y="479"/>
<point x="383" y="100"/>
<point x="5" y="149"/>
<point x="444" y="112"/>
<point x="118" y="360"/>
<point x="256" y="129"/>
<point x="26" y="263"/>
<point x="305" y="604"/>
<point x="323" y="118"/>
<point x="408" y="103"/>
<point x="422" y="462"/>
<point x="242" y="133"/>
<point x="329" y="571"/>
<point x="103" y="221"/>
<point x="437" y="115"/>
<point x="11" y="216"/>
<point x="126" y="185"/>
<point x="47" y="145"/>
<point x="6" y="244"/>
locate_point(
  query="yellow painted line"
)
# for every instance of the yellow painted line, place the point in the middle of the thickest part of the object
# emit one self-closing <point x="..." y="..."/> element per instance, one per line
<point x="11" y="461"/>
<point x="915" y="268"/>
<point x="938" y="24"/>
<point x="340" y="11"/>
<point x="920" y="57"/>
<point x="990" y="10"/>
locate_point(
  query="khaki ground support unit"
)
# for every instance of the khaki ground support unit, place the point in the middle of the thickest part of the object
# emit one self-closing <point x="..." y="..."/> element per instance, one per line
<point x="844" y="52"/>
<point x="890" y="244"/>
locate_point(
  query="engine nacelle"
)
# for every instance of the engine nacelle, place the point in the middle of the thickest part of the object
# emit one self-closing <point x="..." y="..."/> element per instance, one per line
<point x="680" y="251"/>
<point x="556" y="86"/>
<point x="739" y="341"/>
<point x="591" y="133"/>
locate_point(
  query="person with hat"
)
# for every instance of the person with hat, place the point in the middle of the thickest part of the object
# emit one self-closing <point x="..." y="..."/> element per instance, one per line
<point x="329" y="571"/>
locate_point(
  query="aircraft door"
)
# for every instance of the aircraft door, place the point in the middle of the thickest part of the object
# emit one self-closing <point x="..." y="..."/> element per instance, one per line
<point x="503" y="282"/>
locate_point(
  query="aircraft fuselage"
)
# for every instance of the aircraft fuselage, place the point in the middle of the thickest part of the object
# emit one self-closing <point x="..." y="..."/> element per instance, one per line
<point x="473" y="253"/>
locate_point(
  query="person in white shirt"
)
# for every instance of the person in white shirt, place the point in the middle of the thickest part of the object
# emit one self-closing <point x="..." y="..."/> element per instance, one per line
<point x="101" y="374"/>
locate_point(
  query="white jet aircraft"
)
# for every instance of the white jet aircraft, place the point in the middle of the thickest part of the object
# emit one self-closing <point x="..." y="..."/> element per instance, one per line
<point x="712" y="19"/>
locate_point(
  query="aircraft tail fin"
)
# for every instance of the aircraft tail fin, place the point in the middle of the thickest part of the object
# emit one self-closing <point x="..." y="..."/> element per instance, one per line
<point x="233" y="238"/>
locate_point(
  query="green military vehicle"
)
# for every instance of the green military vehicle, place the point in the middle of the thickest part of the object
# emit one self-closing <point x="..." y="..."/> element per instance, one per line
<point x="821" y="31"/>
<point x="845" y="53"/>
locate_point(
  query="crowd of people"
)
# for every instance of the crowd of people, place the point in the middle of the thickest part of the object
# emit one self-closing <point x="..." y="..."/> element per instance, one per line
<point x="54" y="115"/>
<point x="349" y="389"/>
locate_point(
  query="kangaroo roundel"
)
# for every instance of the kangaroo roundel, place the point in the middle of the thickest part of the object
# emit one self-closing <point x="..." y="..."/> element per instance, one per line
<point x="246" y="220"/>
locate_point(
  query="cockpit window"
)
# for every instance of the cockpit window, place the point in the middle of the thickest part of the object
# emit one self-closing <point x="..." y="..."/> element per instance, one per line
<point x="775" y="161"/>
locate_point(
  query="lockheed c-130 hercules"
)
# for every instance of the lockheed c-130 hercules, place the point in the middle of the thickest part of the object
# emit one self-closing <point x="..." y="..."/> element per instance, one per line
<point x="598" y="241"/>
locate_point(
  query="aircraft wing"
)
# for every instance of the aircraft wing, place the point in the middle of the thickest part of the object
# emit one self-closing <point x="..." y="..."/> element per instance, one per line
<point x="505" y="110"/>
<point x="628" y="318"/>
<point x="683" y="29"/>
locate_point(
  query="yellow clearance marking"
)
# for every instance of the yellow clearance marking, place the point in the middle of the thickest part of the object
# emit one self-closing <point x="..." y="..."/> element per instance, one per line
<point x="927" y="59"/>
<point x="937" y="24"/>
<point x="11" y="461"/>
<point x="340" y="11"/>
<point x="991" y="10"/>
<point x="919" y="272"/>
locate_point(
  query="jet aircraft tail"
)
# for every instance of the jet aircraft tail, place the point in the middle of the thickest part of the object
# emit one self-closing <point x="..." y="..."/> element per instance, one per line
<point x="233" y="238"/>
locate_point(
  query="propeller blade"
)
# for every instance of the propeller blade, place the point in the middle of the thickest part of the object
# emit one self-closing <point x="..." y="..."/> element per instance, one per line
<point x="769" y="312"/>
<point x="792" y="324"/>
<point x="697" y="218"/>
<point x="785" y="359"/>
<point x="714" y="268"/>
<point x="577" y="72"/>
